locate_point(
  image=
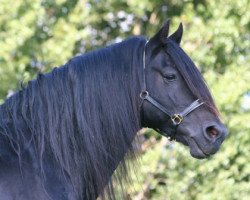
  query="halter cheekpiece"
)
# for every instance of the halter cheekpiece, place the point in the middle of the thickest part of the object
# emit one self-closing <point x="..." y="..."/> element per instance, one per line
<point x="176" y="118"/>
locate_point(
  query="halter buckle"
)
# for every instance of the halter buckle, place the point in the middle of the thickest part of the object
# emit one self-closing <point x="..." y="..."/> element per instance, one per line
<point x="176" y="119"/>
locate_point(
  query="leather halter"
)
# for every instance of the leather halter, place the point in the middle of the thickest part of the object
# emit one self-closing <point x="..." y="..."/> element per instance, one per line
<point x="176" y="118"/>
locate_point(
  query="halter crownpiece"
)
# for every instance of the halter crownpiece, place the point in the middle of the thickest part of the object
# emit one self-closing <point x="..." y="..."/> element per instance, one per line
<point x="176" y="118"/>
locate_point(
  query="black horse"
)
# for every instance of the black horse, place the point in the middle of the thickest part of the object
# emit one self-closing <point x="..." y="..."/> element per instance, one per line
<point x="62" y="136"/>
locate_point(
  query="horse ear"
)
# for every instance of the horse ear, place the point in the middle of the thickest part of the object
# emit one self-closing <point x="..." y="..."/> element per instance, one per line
<point x="160" y="37"/>
<point x="177" y="35"/>
<point x="164" y="31"/>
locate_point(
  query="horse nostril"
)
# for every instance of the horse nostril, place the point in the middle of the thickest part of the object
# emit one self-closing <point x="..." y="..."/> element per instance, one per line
<point x="212" y="131"/>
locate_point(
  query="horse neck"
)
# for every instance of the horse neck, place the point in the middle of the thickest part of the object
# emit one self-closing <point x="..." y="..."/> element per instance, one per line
<point x="100" y="123"/>
<point x="118" y="114"/>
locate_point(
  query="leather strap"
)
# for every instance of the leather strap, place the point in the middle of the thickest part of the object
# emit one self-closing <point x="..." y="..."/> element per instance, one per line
<point x="176" y="118"/>
<point x="190" y="108"/>
<point x="145" y="96"/>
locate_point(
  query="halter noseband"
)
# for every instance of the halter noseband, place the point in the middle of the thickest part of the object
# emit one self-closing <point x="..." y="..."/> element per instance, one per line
<point x="175" y="118"/>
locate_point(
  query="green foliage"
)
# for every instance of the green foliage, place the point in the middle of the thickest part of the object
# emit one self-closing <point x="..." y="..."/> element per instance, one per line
<point x="38" y="35"/>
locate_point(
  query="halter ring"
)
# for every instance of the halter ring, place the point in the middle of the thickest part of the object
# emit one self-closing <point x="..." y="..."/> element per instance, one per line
<point x="176" y="119"/>
<point x="144" y="94"/>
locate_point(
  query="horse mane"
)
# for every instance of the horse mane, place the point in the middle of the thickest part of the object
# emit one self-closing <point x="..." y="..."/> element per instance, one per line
<point x="191" y="75"/>
<point x="80" y="116"/>
<point x="83" y="116"/>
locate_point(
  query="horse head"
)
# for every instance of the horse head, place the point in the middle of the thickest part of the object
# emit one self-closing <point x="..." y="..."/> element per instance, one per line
<point x="176" y="101"/>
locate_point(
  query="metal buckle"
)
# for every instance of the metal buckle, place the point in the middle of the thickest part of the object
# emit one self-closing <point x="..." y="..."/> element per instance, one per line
<point x="176" y="119"/>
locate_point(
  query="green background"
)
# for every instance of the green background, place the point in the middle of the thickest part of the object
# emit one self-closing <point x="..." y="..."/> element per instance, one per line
<point x="36" y="35"/>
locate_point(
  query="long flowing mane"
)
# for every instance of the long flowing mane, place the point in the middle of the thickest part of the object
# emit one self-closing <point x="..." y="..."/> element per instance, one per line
<point x="81" y="118"/>
<point x="76" y="116"/>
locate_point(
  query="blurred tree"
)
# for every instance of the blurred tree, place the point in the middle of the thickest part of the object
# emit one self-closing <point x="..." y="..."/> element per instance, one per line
<point x="36" y="35"/>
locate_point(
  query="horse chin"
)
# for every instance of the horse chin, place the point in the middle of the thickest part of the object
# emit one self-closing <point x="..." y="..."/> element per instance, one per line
<point x="196" y="151"/>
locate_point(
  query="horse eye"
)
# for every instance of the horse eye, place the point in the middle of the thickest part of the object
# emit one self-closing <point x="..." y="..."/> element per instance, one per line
<point x="169" y="77"/>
